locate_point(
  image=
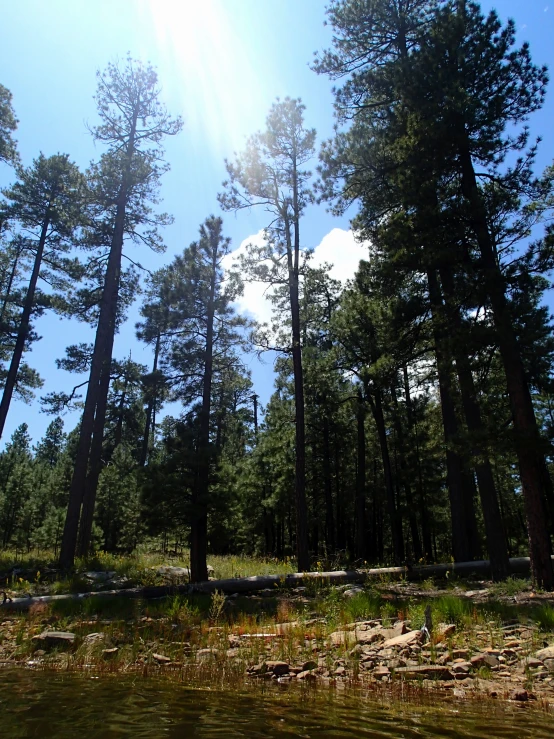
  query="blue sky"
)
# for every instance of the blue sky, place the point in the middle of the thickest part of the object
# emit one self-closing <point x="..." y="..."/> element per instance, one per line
<point x="221" y="64"/>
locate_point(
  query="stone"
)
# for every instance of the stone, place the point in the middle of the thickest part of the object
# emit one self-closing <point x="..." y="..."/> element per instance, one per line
<point x="443" y="631"/>
<point x="60" y="639"/>
<point x="110" y="652"/>
<point x="278" y="668"/>
<point x="173" y="572"/>
<point x="351" y="592"/>
<point x="306" y="675"/>
<point x="547" y="653"/>
<point x="95" y="637"/>
<point x="484" y="660"/>
<point x="203" y="654"/>
<point x="161" y="659"/>
<point x="380" y="672"/>
<point x="340" y="638"/>
<point x="461" y="668"/>
<point x="549" y="664"/>
<point x="340" y="671"/>
<point x="519" y="694"/>
<point x="532" y="663"/>
<point x="411" y="637"/>
<point x="460" y="654"/>
<point x="430" y="671"/>
<point x="398" y="629"/>
<point x="100" y="576"/>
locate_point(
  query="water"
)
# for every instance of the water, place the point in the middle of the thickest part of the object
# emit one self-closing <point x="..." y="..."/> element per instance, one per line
<point x="78" y="707"/>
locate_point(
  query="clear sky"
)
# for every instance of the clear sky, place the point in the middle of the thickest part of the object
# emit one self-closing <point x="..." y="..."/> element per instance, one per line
<point x="221" y="64"/>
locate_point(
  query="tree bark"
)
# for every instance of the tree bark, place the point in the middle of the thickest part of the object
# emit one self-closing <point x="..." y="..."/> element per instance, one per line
<point x="461" y="545"/>
<point x="527" y="438"/>
<point x="360" y="528"/>
<point x="24" y="327"/>
<point x="397" y="539"/>
<point x="150" y="407"/>
<point x="329" y="515"/>
<point x="496" y="541"/>
<point x="101" y="362"/>
<point x="293" y="257"/>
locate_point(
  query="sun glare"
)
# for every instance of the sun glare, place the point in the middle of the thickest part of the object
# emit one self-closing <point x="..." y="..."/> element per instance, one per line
<point x="210" y="62"/>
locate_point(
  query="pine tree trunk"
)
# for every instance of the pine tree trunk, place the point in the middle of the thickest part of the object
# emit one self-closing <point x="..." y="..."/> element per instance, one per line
<point x="527" y="437"/>
<point x="360" y="528"/>
<point x="412" y="517"/>
<point x="24" y="328"/>
<point x="496" y="541"/>
<point x="461" y="545"/>
<point x="101" y="362"/>
<point x="150" y="408"/>
<point x="394" y="519"/>
<point x="329" y="516"/>
<point x="199" y="523"/>
<point x="293" y="257"/>
<point x="95" y="467"/>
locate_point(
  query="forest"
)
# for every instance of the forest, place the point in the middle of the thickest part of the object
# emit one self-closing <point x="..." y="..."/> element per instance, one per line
<point x="412" y="416"/>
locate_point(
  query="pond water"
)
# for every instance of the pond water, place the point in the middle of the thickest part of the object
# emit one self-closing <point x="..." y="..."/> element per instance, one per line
<point x="79" y="707"/>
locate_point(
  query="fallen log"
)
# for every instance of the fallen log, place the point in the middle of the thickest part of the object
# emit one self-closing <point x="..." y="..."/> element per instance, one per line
<point x="519" y="566"/>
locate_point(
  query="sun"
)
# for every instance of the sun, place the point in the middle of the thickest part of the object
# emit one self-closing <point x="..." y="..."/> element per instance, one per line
<point x="210" y="61"/>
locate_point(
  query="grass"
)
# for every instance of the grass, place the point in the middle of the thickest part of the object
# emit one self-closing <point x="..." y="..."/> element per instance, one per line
<point x="37" y="574"/>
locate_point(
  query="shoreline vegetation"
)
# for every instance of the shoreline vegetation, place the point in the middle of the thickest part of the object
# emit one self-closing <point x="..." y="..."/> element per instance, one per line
<point x="457" y="637"/>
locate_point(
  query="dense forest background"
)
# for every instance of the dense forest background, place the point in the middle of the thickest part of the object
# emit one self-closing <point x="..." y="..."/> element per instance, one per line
<point x="412" y="415"/>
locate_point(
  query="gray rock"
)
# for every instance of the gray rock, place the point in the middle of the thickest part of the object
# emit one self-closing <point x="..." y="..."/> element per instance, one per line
<point x="278" y="668"/>
<point x="547" y="653"/>
<point x="351" y="592"/>
<point x="100" y="576"/>
<point x="60" y="639"/>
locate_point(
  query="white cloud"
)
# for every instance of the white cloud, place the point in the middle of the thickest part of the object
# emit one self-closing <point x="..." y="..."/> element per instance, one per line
<point x="338" y="248"/>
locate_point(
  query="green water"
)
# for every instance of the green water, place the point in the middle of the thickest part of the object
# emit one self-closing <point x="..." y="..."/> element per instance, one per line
<point x="79" y="707"/>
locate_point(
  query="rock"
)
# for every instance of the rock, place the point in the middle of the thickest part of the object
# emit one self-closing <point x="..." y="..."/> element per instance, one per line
<point x="258" y="669"/>
<point x="340" y="671"/>
<point x="161" y="659"/>
<point x="203" y="654"/>
<point x="60" y="639"/>
<point x="394" y="664"/>
<point x="95" y="637"/>
<point x="340" y="638"/>
<point x="233" y="652"/>
<point x="110" y="652"/>
<point x="443" y="631"/>
<point x="398" y="629"/>
<point x="461" y="668"/>
<point x="380" y="672"/>
<point x="487" y="660"/>
<point x="278" y="668"/>
<point x="351" y="592"/>
<point x="411" y="637"/>
<point x="429" y="671"/>
<point x="532" y="663"/>
<point x="371" y="636"/>
<point x="547" y="653"/>
<point x="306" y="675"/>
<point x="460" y="654"/>
<point x="173" y="572"/>
<point x="519" y="694"/>
<point x="549" y="664"/>
<point x="100" y="576"/>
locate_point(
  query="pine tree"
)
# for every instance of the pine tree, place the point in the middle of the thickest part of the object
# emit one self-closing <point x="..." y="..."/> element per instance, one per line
<point x="269" y="173"/>
<point x="132" y="124"/>
<point x="46" y="202"/>
<point x="8" y="124"/>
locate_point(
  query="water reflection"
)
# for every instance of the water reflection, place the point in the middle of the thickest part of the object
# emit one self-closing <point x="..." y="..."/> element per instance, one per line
<point x="54" y="706"/>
